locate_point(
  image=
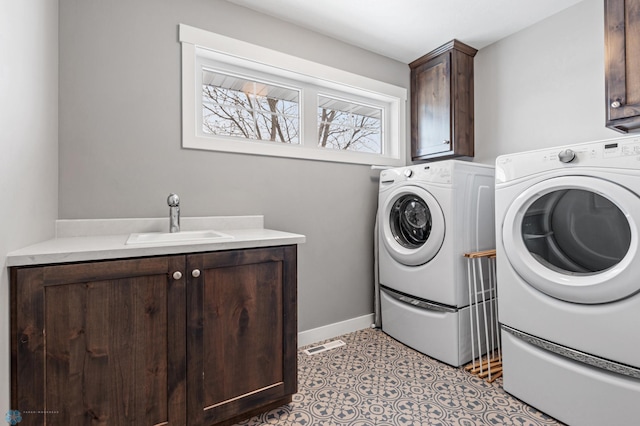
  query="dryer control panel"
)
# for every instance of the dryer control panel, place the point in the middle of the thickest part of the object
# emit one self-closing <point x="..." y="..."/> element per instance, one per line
<point x="620" y="153"/>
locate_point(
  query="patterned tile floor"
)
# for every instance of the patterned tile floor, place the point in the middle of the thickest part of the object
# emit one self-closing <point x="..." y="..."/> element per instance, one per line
<point x="375" y="380"/>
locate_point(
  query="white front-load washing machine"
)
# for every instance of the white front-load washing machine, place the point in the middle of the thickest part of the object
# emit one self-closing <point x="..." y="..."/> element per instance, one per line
<point x="430" y="215"/>
<point x="568" y="276"/>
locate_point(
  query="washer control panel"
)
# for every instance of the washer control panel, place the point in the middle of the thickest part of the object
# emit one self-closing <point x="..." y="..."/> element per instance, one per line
<point x="440" y="172"/>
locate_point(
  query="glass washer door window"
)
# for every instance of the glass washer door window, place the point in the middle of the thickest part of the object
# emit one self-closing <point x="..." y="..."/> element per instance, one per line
<point x="575" y="238"/>
<point x="410" y="221"/>
<point x="412" y="224"/>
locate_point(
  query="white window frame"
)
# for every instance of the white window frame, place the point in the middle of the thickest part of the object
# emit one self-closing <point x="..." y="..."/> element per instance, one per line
<point x="202" y="48"/>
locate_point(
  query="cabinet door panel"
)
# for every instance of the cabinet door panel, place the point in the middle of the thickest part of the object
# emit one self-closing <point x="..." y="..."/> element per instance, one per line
<point x="241" y="344"/>
<point x="27" y="344"/>
<point x="106" y="346"/>
<point x="242" y="308"/>
<point x="108" y="352"/>
<point x="433" y="107"/>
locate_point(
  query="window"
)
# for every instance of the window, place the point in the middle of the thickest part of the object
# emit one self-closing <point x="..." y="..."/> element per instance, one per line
<point x="349" y="126"/>
<point x="238" y="97"/>
<point x="247" y="109"/>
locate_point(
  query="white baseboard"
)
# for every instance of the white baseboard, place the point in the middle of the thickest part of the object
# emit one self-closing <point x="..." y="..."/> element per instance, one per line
<point x="334" y="330"/>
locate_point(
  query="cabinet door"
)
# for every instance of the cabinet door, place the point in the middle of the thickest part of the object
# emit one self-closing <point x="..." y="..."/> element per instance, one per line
<point x="99" y="343"/>
<point x="622" y="64"/>
<point x="241" y="332"/>
<point x="431" y="109"/>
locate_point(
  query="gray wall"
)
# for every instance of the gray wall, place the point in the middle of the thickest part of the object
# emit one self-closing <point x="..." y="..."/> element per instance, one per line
<point x="120" y="147"/>
<point x="543" y="86"/>
<point x="28" y="141"/>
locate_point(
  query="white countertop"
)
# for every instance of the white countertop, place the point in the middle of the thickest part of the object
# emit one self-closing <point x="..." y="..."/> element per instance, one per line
<point x="97" y="239"/>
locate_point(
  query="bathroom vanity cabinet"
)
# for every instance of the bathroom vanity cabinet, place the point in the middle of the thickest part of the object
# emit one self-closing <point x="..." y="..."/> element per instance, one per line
<point x="191" y="339"/>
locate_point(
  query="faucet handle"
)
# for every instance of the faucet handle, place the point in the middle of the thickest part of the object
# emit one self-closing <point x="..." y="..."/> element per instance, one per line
<point x="173" y="200"/>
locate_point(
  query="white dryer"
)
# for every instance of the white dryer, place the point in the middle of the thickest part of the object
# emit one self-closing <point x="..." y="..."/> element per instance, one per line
<point x="568" y="275"/>
<point x="429" y="216"/>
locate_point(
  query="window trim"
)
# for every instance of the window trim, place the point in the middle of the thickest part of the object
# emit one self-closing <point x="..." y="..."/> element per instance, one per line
<point x="197" y="43"/>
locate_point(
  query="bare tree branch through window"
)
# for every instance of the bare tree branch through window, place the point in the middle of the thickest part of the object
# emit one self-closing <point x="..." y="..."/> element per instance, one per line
<point x="233" y="106"/>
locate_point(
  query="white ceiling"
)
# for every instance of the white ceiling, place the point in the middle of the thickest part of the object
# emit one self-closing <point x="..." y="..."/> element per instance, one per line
<point x="407" y="29"/>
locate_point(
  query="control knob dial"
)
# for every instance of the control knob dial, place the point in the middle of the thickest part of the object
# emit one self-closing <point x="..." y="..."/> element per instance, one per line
<point x="567" y="155"/>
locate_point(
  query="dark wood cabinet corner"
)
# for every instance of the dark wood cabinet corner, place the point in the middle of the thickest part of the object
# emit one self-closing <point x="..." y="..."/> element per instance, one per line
<point x="622" y="65"/>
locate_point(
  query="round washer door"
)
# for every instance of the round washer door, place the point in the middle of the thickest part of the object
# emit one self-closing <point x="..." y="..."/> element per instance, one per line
<point x="412" y="225"/>
<point x="575" y="238"/>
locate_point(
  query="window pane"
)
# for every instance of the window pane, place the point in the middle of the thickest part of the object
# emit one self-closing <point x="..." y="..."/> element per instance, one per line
<point x="238" y="107"/>
<point x="349" y="126"/>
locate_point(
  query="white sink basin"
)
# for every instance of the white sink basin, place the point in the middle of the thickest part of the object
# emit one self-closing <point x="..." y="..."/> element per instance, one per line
<point x="177" y="237"/>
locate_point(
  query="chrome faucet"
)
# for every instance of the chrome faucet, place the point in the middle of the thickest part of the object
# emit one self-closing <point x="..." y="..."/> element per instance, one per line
<point x="174" y="212"/>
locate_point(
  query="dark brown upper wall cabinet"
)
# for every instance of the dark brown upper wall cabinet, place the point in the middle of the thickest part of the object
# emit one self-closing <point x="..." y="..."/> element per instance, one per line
<point x="442" y="103"/>
<point x="622" y="64"/>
